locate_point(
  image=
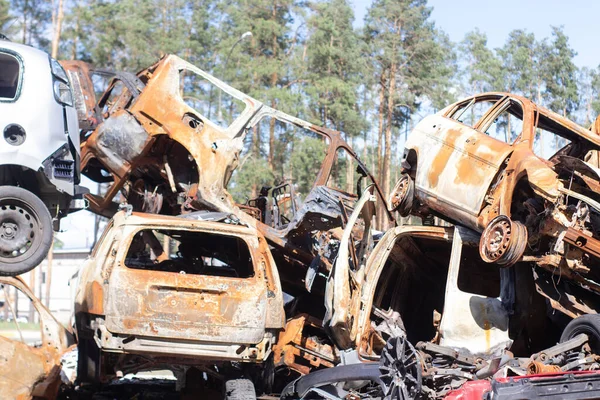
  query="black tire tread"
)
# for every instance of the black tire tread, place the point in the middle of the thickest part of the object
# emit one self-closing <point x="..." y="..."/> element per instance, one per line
<point x="239" y="389"/>
<point x="45" y="221"/>
<point x="588" y="324"/>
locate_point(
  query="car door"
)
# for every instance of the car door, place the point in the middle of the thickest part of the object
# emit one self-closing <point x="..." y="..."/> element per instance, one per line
<point x="456" y="161"/>
<point x="474" y="321"/>
<point x="344" y="285"/>
<point x="30" y="361"/>
<point x="172" y="297"/>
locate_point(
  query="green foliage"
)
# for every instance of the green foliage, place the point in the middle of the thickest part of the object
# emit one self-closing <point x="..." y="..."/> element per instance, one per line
<point x="521" y="60"/>
<point x="32" y="21"/>
<point x="483" y="68"/>
<point x="334" y="64"/>
<point x="5" y="18"/>
<point x="404" y="41"/>
<point x="249" y="178"/>
<point x="305" y="162"/>
<point x="560" y="73"/>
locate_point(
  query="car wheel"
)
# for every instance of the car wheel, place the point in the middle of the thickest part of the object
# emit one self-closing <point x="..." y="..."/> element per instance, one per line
<point x="25" y="230"/>
<point x="503" y="241"/>
<point x="588" y="324"/>
<point x="239" y="389"/>
<point x="88" y="361"/>
<point x="402" y="197"/>
<point x="400" y="367"/>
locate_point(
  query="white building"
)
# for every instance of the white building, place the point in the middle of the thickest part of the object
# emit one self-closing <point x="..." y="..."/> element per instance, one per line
<point x="61" y="286"/>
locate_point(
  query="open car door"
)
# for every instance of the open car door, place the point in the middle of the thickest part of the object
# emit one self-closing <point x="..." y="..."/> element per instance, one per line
<point x="343" y="291"/>
<point x="476" y="313"/>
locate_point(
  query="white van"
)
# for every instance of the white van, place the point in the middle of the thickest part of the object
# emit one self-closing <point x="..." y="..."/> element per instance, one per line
<point x="39" y="155"/>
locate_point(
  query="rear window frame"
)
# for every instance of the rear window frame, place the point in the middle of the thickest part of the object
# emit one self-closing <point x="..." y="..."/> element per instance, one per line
<point x="131" y="235"/>
<point x="17" y="56"/>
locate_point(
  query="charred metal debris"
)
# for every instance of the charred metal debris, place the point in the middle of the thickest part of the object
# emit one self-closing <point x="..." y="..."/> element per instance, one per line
<point x="288" y="285"/>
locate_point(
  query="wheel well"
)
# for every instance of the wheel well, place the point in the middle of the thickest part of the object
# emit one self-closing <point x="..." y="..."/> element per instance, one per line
<point x="18" y="175"/>
<point x="523" y="193"/>
<point x="411" y="158"/>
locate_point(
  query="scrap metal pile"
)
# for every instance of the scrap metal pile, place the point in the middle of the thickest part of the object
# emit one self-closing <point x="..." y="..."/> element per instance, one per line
<point x="297" y="291"/>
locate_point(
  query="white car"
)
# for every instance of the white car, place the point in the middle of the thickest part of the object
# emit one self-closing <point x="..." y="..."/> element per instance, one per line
<point x="39" y="155"/>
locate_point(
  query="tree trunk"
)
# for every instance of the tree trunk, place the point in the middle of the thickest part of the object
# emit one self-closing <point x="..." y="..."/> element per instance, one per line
<point x="76" y="38"/>
<point x="273" y="84"/>
<point x="381" y="117"/>
<point x="25" y="8"/>
<point x="57" y="28"/>
<point x="388" y="135"/>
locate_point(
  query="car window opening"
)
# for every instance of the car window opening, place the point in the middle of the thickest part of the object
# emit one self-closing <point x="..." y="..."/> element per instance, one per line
<point x="9" y="76"/>
<point x="413" y="283"/>
<point x="189" y="252"/>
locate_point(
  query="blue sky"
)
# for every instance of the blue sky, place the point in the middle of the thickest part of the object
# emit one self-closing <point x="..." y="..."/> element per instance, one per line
<point x="498" y="18"/>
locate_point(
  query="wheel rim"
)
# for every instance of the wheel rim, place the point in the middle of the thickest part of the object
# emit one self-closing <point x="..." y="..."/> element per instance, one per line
<point x="400" y="368"/>
<point x="503" y="241"/>
<point x="20" y="230"/>
<point x="498" y="238"/>
<point x="399" y="193"/>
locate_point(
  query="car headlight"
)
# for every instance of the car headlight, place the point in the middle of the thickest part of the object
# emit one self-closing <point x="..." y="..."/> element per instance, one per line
<point x="62" y="93"/>
<point x="58" y="71"/>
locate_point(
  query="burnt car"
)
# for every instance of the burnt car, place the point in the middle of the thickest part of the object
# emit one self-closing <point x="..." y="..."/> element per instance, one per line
<point x="523" y="175"/>
<point x="173" y="139"/>
<point x="200" y="291"/>
<point x="30" y="366"/>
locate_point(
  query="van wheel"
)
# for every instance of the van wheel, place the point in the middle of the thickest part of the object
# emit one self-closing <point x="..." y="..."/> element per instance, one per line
<point x="403" y="195"/>
<point x="588" y="324"/>
<point x="503" y="241"/>
<point x="239" y="389"/>
<point x="25" y="231"/>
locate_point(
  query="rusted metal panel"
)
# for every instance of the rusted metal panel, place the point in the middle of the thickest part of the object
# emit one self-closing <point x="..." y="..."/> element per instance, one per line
<point x="80" y="75"/>
<point x="26" y="371"/>
<point x="299" y="351"/>
<point x="166" y="157"/>
<point x="469" y="178"/>
<point x="470" y="321"/>
<point x="198" y="316"/>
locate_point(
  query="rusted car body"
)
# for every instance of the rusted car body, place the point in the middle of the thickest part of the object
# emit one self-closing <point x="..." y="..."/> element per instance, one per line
<point x="480" y="308"/>
<point x="428" y="285"/>
<point x="157" y="290"/>
<point x="170" y="138"/>
<point x="32" y="371"/>
<point x="525" y="176"/>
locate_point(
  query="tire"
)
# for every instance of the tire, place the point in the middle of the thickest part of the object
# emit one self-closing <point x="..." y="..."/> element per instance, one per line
<point x="402" y="196"/>
<point x="503" y="241"/>
<point x="25" y="231"/>
<point x="239" y="389"/>
<point x="588" y="324"/>
<point x="88" y="361"/>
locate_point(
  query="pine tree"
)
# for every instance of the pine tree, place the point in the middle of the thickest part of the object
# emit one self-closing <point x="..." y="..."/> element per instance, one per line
<point x="409" y="54"/>
<point x="334" y="64"/>
<point x="520" y="57"/>
<point x="559" y="73"/>
<point x="483" y="68"/>
<point x="33" y="19"/>
<point x="260" y="67"/>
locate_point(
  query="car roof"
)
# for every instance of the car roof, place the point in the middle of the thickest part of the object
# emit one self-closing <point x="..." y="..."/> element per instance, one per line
<point x="564" y="122"/>
<point x="23" y="50"/>
<point x="218" y="222"/>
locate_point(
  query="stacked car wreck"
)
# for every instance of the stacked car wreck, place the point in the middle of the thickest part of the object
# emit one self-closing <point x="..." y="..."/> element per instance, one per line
<point x="297" y="290"/>
<point x="351" y="293"/>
